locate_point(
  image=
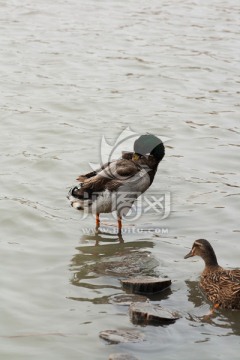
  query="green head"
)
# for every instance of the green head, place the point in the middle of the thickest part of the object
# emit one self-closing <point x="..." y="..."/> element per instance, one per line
<point x="150" y="144"/>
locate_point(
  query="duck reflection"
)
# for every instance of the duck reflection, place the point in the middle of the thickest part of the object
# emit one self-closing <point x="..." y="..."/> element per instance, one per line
<point x="194" y="294"/>
<point x="224" y="318"/>
<point x="98" y="269"/>
<point x="103" y="237"/>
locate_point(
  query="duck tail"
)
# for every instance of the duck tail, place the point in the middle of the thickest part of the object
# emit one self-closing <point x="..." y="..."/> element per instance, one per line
<point x="79" y="199"/>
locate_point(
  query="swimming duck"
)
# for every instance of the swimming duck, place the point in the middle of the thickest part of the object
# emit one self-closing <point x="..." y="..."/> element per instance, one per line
<point x="117" y="184"/>
<point x="221" y="286"/>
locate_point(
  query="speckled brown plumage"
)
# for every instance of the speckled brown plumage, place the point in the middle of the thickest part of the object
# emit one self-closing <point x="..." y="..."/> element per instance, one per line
<point x="117" y="184"/>
<point x="221" y="286"/>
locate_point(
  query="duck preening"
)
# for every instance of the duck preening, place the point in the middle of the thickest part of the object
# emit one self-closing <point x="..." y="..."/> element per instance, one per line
<point x="221" y="286"/>
<point x="116" y="185"/>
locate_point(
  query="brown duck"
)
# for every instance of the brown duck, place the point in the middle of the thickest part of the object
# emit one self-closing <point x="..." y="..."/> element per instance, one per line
<point x="117" y="184"/>
<point x="221" y="286"/>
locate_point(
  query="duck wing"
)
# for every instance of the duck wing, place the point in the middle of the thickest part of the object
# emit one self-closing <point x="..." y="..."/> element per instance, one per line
<point x="234" y="275"/>
<point x="223" y="276"/>
<point x="84" y="177"/>
<point x="109" y="177"/>
<point x="125" y="156"/>
<point x="222" y="286"/>
<point x="229" y="289"/>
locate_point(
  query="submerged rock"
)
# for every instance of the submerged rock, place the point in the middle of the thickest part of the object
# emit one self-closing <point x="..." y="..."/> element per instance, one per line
<point x="146" y="313"/>
<point x="138" y="262"/>
<point x="127" y="299"/>
<point x="146" y="284"/>
<point x="118" y="265"/>
<point x="122" y="356"/>
<point x="121" y="336"/>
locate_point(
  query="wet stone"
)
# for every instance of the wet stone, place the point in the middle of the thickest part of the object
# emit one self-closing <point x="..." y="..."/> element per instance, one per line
<point x="122" y="356"/>
<point x="121" y="336"/>
<point x="127" y="299"/>
<point x="135" y="263"/>
<point x="146" y="284"/>
<point x="126" y="265"/>
<point x="146" y="313"/>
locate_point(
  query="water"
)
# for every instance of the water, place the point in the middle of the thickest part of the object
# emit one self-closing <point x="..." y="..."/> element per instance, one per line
<point x="71" y="72"/>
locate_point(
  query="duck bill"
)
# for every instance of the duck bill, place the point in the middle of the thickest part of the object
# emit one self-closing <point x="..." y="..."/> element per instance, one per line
<point x="190" y="254"/>
<point x="135" y="157"/>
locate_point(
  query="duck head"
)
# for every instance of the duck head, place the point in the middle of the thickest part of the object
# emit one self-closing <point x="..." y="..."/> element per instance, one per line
<point x="149" y="144"/>
<point x="205" y="250"/>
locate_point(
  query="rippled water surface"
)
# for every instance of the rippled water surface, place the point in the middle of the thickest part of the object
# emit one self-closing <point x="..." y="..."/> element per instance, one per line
<point x="71" y="72"/>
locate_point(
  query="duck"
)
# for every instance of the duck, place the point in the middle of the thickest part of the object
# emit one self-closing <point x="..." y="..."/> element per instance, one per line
<point x="221" y="286"/>
<point x="117" y="184"/>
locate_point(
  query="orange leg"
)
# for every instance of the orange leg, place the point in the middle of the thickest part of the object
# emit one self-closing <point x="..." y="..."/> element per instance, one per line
<point x="211" y="312"/>
<point x="120" y="229"/>
<point x="119" y="225"/>
<point x="97" y="222"/>
<point x="215" y="307"/>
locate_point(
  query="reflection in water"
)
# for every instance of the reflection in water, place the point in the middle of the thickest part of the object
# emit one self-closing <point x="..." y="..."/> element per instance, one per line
<point x="110" y="234"/>
<point x="194" y="293"/>
<point x="98" y="269"/>
<point x="225" y="319"/>
<point x="103" y="237"/>
<point x="162" y="295"/>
